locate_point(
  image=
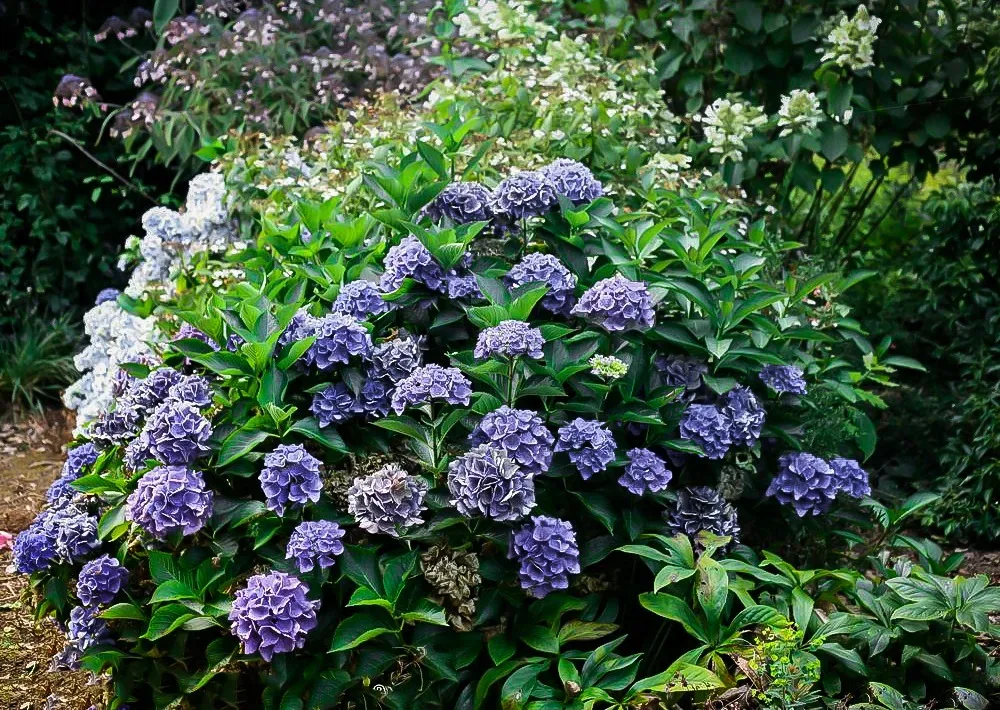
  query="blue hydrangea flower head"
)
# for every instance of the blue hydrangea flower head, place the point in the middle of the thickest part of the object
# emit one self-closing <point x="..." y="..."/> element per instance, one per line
<point x="149" y="393"/>
<point x="590" y="445"/>
<point x="485" y="482"/>
<point x="520" y="433"/>
<point x="189" y="331"/>
<point x="411" y="259"/>
<point x="339" y="337"/>
<point x="784" y="378"/>
<point x="78" y="458"/>
<point x="374" y="399"/>
<point x="682" y="371"/>
<point x="462" y="284"/>
<point x="461" y="203"/>
<point x="548" y="270"/>
<point x="525" y="194"/>
<point x="387" y="501"/>
<point x="100" y="581"/>
<point x="107" y="294"/>
<point x="510" y="338"/>
<point x="361" y="299"/>
<point x="290" y="478"/>
<point x="73" y="530"/>
<point x="273" y="614"/>
<point x="395" y="360"/>
<point x="170" y="499"/>
<point x="573" y="180"/>
<point x="617" y="304"/>
<point x="645" y="472"/>
<point x="702" y="508"/>
<point x="117" y="427"/>
<point x="137" y="453"/>
<point x="429" y="383"/>
<point x="707" y="426"/>
<point x="546" y="553"/>
<point x="315" y="543"/>
<point x="85" y="630"/>
<point x="805" y="482"/>
<point x="177" y="433"/>
<point x="61" y="491"/>
<point x="34" y="550"/>
<point x="745" y="415"/>
<point x="193" y="389"/>
<point x="333" y="405"/>
<point x="851" y="478"/>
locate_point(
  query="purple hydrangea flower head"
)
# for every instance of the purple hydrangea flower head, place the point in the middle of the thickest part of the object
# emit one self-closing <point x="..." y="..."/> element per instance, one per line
<point x="573" y="180"/>
<point x="707" y="426"/>
<point x="78" y="458"/>
<point x="521" y="433"/>
<point x="745" y="415"/>
<point x="510" y="338"/>
<point x="617" y="304"/>
<point x="189" y="331"/>
<point x="395" y="360"/>
<point x="432" y="382"/>
<point x="315" y="543"/>
<point x="235" y="341"/>
<point x="333" y="405"/>
<point x="411" y="259"/>
<point x="374" y="398"/>
<point x="273" y="614"/>
<point x="168" y="500"/>
<point x="61" y="491"/>
<point x="682" y="371"/>
<point x="387" y="501"/>
<point x="461" y="203"/>
<point x="484" y="481"/>
<point x="137" y="452"/>
<point x="590" y="445"/>
<point x="702" y="508"/>
<point x="301" y="326"/>
<point x="85" y="630"/>
<point x="546" y="552"/>
<point x="546" y="269"/>
<point x="117" y="427"/>
<point x="177" y="433"/>
<point x="34" y="550"/>
<point x="645" y="472"/>
<point x="462" y="284"/>
<point x="338" y="338"/>
<point x="360" y="299"/>
<point x="73" y="530"/>
<point x="149" y="393"/>
<point x="525" y="194"/>
<point x="805" y="482"/>
<point x="291" y="477"/>
<point x="193" y="389"/>
<point x="783" y="378"/>
<point x="107" y="294"/>
<point x="100" y="581"/>
<point x="851" y="478"/>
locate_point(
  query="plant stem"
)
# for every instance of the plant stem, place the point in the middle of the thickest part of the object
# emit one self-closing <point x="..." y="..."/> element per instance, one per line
<point x="127" y="183"/>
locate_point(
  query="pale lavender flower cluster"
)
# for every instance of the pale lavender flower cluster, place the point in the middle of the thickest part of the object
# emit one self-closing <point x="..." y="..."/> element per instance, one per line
<point x="374" y="399"/>
<point x="617" y="304"/>
<point x="74" y="90"/>
<point x="176" y="433"/>
<point x="77" y="459"/>
<point x="525" y="194"/>
<point x="85" y="630"/>
<point x="546" y="269"/>
<point x="546" y="552"/>
<point x="590" y="445"/>
<point x="339" y="337"/>
<point x="510" y="338"/>
<point x="395" y="360"/>
<point x="168" y="500"/>
<point x="116" y="427"/>
<point x="682" y="371"/>
<point x="411" y="259"/>
<point x="462" y="284"/>
<point x="193" y="389"/>
<point x="461" y="203"/>
<point x="702" y="508"/>
<point x="521" y="433"/>
<point x="737" y="419"/>
<point x="290" y="478"/>
<point x="484" y="481"/>
<point x="387" y="501"/>
<point x="745" y="415"/>
<point x="645" y="473"/>
<point x="100" y="581"/>
<point x="147" y="394"/>
<point x="273" y="614"/>
<point x="73" y="530"/>
<point x="432" y="382"/>
<point x="573" y="180"/>
<point x="315" y="543"/>
<point x="783" y="378"/>
<point x="188" y="331"/>
<point x="851" y="478"/>
<point x="809" y="484"/>
<point x="361" y="299"/>
<point x="334" y="405"/>
<point x="107" y="294"/>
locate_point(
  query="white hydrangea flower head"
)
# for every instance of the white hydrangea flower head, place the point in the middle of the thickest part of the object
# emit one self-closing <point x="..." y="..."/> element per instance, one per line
<point x="727" y="124"/>
<point x="800" y="112"/>
<point x="851" y="41"/>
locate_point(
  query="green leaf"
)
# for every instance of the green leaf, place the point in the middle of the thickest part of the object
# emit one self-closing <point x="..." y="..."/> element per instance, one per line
<point x="679" y="678"/>
<point x="675" y="609"/>
<point x="355" y="630"/>
<point x="240" y="443"/>
<point x="671" y="575"/>
<point x="328" y="688"/>
<point x="163" y="12"/>
<point x="576" y="630"/>
<point x="124" y="610"/>
<point x="167" y="619"/>
<point x="172" y="590"/>
<point x="327" y="436"/>
<point x="501" y="647"/>
<point x="539" y="638"/>
<point x="360" y="564"/>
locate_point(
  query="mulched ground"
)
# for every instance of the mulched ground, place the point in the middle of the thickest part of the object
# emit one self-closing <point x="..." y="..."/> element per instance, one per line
<point x="30" y="459"/>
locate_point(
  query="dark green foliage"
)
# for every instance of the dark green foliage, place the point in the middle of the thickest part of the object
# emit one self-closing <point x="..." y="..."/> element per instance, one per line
<point x="36" y="363"/>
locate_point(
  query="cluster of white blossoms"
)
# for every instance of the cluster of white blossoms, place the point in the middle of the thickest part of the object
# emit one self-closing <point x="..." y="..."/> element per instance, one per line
<point x="800" y="112"/>
<point x="116" y="337"/>
<point x="728" y="124"/>
<point x="500" y="21"/>
<point x="171" y="237"/>
<point x="851" y="41"/>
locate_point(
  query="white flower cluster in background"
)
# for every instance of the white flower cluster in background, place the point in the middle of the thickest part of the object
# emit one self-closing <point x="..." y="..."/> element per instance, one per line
<point x="799" y="113"/>
<point x="116" y="337"/>
<point x="728" y="124"/>
<point x="851" y="41"/>
<point x="500" y="21"/>
<point x="171" y="237"/>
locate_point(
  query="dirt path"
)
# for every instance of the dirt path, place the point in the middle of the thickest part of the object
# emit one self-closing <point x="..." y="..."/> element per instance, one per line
<point x="30" y="459"/>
